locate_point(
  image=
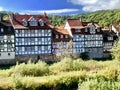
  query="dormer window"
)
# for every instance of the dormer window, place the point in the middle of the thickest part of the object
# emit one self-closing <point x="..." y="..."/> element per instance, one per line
<point x="41" y="22"/>
<point x="98" y="30"/>
<point x="92" y="29"/>
<point x="86" y="29"/>
<point x="33" y="22"/>
<point x="25" y="23"/>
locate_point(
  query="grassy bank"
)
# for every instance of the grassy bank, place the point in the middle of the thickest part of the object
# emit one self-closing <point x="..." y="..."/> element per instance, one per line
<point x="68" y="74"/>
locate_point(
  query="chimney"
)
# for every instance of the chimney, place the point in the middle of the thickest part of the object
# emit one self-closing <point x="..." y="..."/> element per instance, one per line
<point x="110" y="27"/>
<point x="80" y="19"/>
<point x="11" y="16"/>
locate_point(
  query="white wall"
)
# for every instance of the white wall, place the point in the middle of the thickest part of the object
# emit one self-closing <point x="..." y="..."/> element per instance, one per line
<point x="4" y="55"/>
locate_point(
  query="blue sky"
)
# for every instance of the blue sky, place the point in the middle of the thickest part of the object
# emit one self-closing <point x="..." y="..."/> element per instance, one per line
<point x="57" y="6"/>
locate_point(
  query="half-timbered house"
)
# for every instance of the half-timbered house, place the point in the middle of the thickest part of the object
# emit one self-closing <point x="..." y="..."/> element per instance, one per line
<point x="60" y="41"/>
<point x="87" y="37"/>
<point x="33" y="35"/>
<point x="109" y="38"/>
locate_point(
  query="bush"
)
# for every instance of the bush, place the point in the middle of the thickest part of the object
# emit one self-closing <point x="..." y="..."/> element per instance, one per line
<point x="31" y="69"/>
<point x="64" y="65"/>
<point x="63" y="81"/>
<point x="99" y="84"/>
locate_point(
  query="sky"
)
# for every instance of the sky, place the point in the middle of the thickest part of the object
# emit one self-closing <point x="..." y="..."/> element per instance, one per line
<point x="67" y="7"/>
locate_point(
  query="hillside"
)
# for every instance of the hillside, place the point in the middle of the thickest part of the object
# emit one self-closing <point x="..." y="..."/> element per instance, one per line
<point x="104" y="17"/>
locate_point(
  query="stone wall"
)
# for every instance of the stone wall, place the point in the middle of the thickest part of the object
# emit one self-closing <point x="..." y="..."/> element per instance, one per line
<point x="35" y="58"/>
<point x="7" y="61"/>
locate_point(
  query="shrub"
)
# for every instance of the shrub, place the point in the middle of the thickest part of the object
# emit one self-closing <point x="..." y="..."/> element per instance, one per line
<point x="99" y="84"/>
<point x="31" y="69"/>
<point x="62" y="66"/>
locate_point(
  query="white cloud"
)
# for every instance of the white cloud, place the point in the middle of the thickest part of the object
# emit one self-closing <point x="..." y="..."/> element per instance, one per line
<point x="94" y="5"/>
<point x="58" y="11"/>
<point x="1" y="8"/>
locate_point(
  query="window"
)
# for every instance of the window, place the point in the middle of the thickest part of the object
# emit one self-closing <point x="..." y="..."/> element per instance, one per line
<point x="98" y="30"/>
<point x="61" y="36"/>
<point x="92" y="29"/>
<point x="1" y="38"/>
<point x="41" y="22"/>
<point x="86" y="29"/>
<point x="66" y="36"/>
<point x="33" y="22"/>
<point x="110" y="38"/>
<point x="77" y="30"/>
<point x="9" y="38"/>
<point x="2" y="30"/>
<point x="25" y="23"/>
<point x="57" y="36"/>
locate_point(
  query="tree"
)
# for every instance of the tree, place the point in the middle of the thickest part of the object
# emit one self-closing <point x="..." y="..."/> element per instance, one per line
<point x="115" y="51"/>
<point x="65" y="50"/>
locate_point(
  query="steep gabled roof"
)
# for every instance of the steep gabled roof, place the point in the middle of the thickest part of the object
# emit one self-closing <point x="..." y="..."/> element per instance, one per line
<point x="61" y="30"/>
<point x="78" y="24"/>
<point x="117" y="27"/>
<point x="17" y="21"/>
<point x="74" y="22"/>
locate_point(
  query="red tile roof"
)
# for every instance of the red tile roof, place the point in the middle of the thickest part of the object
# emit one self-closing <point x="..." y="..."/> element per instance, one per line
<point x="78" y="24"/>
<point x="74" y="22"/>
<point x="17" y="21"/>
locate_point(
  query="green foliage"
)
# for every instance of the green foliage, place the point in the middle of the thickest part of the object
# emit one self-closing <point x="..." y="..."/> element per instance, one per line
<point x="99" y="84"/>
<point x="115" y="51"/>
<point x="103" y="17"/>
<point x="68" y="74"/>
<point x="30" y="69"/>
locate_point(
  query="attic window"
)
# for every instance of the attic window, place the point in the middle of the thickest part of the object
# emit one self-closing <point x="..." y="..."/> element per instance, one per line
<point x="41" y="22"/>
<point x="92" y="29"/>
<point x="98" y="30"/>
<point x="33" y="22"/>
<point x="86" y="30"/>
<point x="25" y="23"/>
